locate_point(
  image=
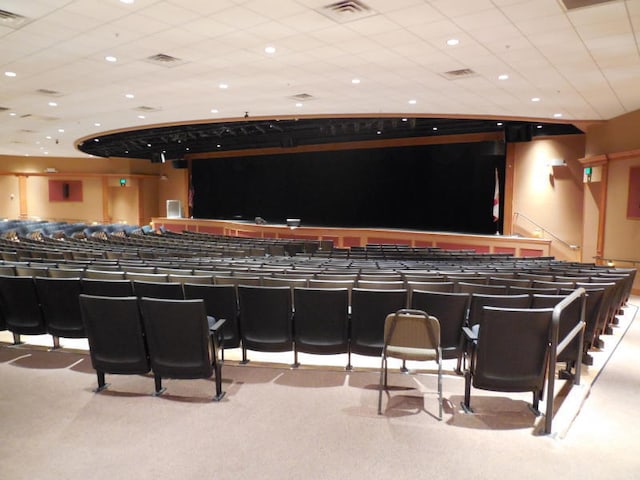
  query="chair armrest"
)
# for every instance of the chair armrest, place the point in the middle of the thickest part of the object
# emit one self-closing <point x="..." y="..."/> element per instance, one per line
<point x="470" y="334"/>
<point x="216" y="333"/>
<point x="219" y="325"/>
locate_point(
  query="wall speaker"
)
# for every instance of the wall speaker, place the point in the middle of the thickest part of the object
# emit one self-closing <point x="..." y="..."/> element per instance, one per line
<point x="65" y="190"/>
<point x="518" y="133"/>
<point x="180" y="163"/>
<point x="158" y="157"/>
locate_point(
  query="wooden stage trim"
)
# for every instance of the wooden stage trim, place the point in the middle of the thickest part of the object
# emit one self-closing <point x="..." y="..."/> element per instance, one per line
<point x="355" y="237"/>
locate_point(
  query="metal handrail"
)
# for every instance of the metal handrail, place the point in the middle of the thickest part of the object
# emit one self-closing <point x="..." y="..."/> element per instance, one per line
<point x="557" y="345"/>
<point x="609" y="259"/>
<point x="570" y="245"/>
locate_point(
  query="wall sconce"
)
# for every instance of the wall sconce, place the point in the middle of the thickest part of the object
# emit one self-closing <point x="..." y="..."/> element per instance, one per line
<point x="555" y="162"/>
<point x="164" y="177"/>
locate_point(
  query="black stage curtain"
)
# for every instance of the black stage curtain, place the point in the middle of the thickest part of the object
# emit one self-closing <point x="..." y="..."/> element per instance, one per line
<point x="436" y="187"/>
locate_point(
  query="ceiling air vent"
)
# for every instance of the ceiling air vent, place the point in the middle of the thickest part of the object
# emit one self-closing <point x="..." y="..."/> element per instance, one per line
<point x="347" y="11"/>
<point x="457" y="74"/>
<point x="574" y="4"/>
<point x="49" y="93"/>
<point x="302" y="97"/>
<point x="12" y="20"/>
<point x="164" y="60"/>
<point x="146" y="108"/>
<point x="4" y="109"/>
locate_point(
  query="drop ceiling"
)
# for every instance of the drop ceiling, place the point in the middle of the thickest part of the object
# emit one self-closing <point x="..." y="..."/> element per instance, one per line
<point x="205" y="61"/>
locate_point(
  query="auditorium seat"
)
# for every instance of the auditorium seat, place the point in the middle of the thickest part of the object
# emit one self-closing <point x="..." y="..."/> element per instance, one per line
<point x="115" y="333"/>
<point x="451" y="311"/>
<point x="221" y="302"/>
<point x="59" y="302"/>
<point x="183" y="349"/>
<point x="265" y="319"/>
<point x="369" y="309"/>
<point x="520" y="335"/>
<point x="20" y="307"/>
<point x="321" y="321"/>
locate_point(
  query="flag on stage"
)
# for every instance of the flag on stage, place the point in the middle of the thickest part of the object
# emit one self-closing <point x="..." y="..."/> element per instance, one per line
<point x="496" y="199"/>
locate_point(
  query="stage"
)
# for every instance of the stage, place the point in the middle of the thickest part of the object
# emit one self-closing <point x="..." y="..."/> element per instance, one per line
<point x="359" y="237"/>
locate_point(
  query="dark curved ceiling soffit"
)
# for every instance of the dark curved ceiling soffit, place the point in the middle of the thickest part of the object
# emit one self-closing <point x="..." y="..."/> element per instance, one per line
<point x="180" y="141"/>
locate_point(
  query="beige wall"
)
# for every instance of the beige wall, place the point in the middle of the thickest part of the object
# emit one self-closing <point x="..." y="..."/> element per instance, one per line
<point x="550" y="197"/>
<point x="175" y="187"/>
<point x="621" y="234"/>
<point x="619" y="134"/>
<point x="9" y="197"/>
<point x="137" y="203"/>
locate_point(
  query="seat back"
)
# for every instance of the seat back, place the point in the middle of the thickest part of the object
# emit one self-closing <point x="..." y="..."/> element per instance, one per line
<point x="166" y="290"/>
<point x="60" y="306"/>
<point x="410" y="329"/>
<point x="369" y="309"/>
<point x="20" y="305"/>
<point x="451" y="311"/>
<point x="321" y="320"/>
<point x="465" y="287"/>
<point x="479" y="301"/>
<point x="221" y="302"/>
<point x="107" y="288"/>
<point x="177" y="333"/>
<point x="265" y="318"/>
<point x="114" y="330"/>
<point x="512" y="349"/>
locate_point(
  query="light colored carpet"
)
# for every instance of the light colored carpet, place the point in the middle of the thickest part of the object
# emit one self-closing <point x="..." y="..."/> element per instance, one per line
<point x="311" y="423"/>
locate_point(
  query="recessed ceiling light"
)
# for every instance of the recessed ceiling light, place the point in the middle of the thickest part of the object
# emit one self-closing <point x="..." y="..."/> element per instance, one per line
<point x="129" y="95"/>
<point x="405" y="119"/>
<point x="503" y="76"/>
<point x="97" y="124"/>
<point x="435" y="129"/>
<point x="12" y="114"/>
<point x="298" y="104"/>
<point x="10" y="74"/>
<point x="557" y="115"/>
<point x="48" y="137"/>
<point x="535" y="99"/>
<point x="538" y="126"/>
<point x="128" y="2"/>
<point x="96" y="140"/>
<point x="214" y="110"/>
<point x="46" y="153"/>
<point x="355" y="81"/>
<point x="453" y="41"/>
<point x="270" y="50"/>
<point x="61" y="130"/>
<point x="499" y="124"/>
<point x="218" y="145"/>
<point x="148" y="144"/>
<point x="412" y="102"/>
<point x="141" y="117"/>
<point x="110" y="58"/>
<point x="223" y="86"/>
<point x="53" y="104"/>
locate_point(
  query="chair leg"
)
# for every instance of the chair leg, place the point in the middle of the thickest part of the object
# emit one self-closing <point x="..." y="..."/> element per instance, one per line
<point x="244" y="360"/>
<point x="16" y="339"/>
<point x="348" y="367"/>
<point x="296" y="364"/>
<point x="534" y="405"/>
<point x="404" y="368"/>
<point x="440" y="390"/>
<point x="218" y="373"/>
<point x="466" y="404"/>
<point x="383" y="376"/>
<point x="56" y="342"/>
<point x="159" y="390"/>
<point x="101" y="382"/>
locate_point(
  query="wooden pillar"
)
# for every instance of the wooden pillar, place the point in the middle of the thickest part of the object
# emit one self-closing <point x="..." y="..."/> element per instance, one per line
<point x="105" y="200"/>
<point x="509" y="180"/>
<point x="22" y="194"/>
